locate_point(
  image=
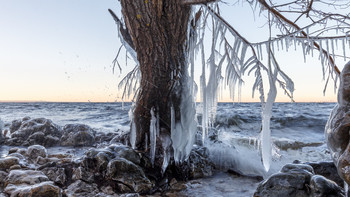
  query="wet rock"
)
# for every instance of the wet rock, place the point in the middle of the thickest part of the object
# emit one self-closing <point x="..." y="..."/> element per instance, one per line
<point x="7" y="162"/>
<point x="39" y="131"/>
<point x="78" y="135"/>
<point x="80" y="188"/>
<point x="3" y="175"/>
<point x="131" y="176"/>
<point x="121" y="137"/>
<point x="36" y="151"/>
<point x="298" y="180"/>
<point x="126" y="152"/>
<point x="338" y="126"/>
<point x="200" y="165"/>
<point x="30" y="177"/>
<point x="322" y="187"/>
<point x="19" y="156"/>
<point x="57" y="175"/>
<point x="328" y="170"/>
<point x="15" y="167"/>
<point x="47" y="189"/>
<point x="284" y="184"/>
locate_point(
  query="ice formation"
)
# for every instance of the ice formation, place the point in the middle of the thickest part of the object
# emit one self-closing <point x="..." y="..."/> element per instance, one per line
<point x="153" y="135"/>
<point x="183" y="131"/>
<point x="132" y="127"/>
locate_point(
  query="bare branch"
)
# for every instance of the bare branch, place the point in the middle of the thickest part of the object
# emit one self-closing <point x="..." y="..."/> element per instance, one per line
<point x="291" y="23"/>
<point x="194" y="2"/>
<point x="124" y="32"/>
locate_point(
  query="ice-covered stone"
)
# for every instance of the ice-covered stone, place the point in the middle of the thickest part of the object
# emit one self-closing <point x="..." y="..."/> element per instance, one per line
<point x="131" y="176"/>
<point x="78" y="135"/>
<point x="7" y="162"/>
<point x="39" y="131"/>
<point x="35" y="151"/>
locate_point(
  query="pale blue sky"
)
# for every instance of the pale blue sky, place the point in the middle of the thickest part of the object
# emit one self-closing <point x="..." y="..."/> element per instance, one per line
<point x="62" y="50"/>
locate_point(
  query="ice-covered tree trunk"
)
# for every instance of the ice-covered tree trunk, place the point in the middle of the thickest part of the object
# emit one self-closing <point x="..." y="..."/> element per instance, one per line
<point x="158" y="30"/>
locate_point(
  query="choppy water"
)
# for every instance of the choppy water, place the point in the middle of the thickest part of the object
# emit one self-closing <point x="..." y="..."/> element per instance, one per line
<point x="297" y="131"/>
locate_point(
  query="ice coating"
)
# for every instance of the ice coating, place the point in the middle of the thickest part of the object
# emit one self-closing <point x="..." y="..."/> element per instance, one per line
<point x="132" y="127"/>
<point x="338" y="127"/>
<point x="153" y="135"/>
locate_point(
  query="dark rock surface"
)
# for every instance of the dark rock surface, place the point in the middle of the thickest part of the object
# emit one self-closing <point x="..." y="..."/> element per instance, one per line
<point x="78" y="135"/>
<point x="298" y="180"/>
<point x="39" y="131"/>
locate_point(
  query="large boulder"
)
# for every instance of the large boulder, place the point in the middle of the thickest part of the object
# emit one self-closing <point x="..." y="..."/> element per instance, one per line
<point x="47" y="189"/>
<point x="80" y="188"/>
<point x="130" y="176"/>
<point x="39" y="131"/>
<point x="298" y="180"/>
<point x="36" y="151"/>
<point x="200" y="164"/>
<point x="78" y="135"/>
<point x="7" y="162"/>
<point x="30" y="183"/>
<point x="29" y="177"/>
<point x="338" y="126"/>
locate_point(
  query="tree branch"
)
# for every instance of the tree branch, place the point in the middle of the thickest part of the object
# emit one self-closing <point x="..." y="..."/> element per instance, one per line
<point x="124" y="32"/>
<point x="194" y="2"/>
<point x="291" y="23"/>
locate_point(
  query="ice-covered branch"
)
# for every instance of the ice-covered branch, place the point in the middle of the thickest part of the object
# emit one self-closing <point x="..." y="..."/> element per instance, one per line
<point x="124" y="32"/>
<point x="194" y="2"/>
<point x="292" y="24"/>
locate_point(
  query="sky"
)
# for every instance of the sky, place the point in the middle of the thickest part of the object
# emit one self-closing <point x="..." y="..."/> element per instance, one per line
<point x="62" y="51"/>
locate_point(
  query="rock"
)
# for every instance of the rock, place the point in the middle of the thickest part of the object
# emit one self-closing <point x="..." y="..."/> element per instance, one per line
<point x="284" y="184"/>
<point x="80" y="188"/>
<point x="15" y="167"/>
<point x="36" y="151"/>
<point x="78" y="135"/>
<point x="47" y="189"/>
<point x="328" y="170"/>
<point x="298" y="180"/>
<point x="322" y="187"/>
<point x="39" y="131"/>
<point x="3" y="175"/>
<point x="131" y="176"/>
<point x="19" y="156"/>
<point x="200" y="165"/>
<point x="121" y="137"/>
<point x="29" y="177"/>
<point x="7" y="162"/>
<point x="126" y="152"/>
<point x="57" y="175"/>
<point x="338" y="126"/>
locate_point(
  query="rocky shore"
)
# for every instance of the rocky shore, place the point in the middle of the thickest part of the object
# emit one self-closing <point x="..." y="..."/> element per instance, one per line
<point x="41" y="158"/>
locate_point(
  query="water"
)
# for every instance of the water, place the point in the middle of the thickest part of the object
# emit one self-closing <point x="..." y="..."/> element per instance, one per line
<point x="297" y="130"/>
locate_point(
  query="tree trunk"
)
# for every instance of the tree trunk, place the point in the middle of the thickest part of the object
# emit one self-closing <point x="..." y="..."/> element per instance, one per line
<point x="158" y="29"/>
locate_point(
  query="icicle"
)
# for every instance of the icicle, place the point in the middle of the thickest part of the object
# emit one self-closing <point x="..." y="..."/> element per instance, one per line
<point x="278" y="45"/>
<point x="287" y="43"/>
<point x="158" y="127"/>
<point x="295" y="42"/>
<point x="327" y="48"/>
<point x="166" y="142"/>
<point x="153" y="135"/>
<point x="282" y="44"/>
<point x="346" y="188"/>
<point x="261" y="54"/>
<point x="266" y="117"/>
<point x="132" y="127"/>
<point x="322" y="60"/>
<point x="343" y="43"/>
<point x="303" y="45"/>
<point x="332" y="49"/>
<point x="146" y="140"/>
